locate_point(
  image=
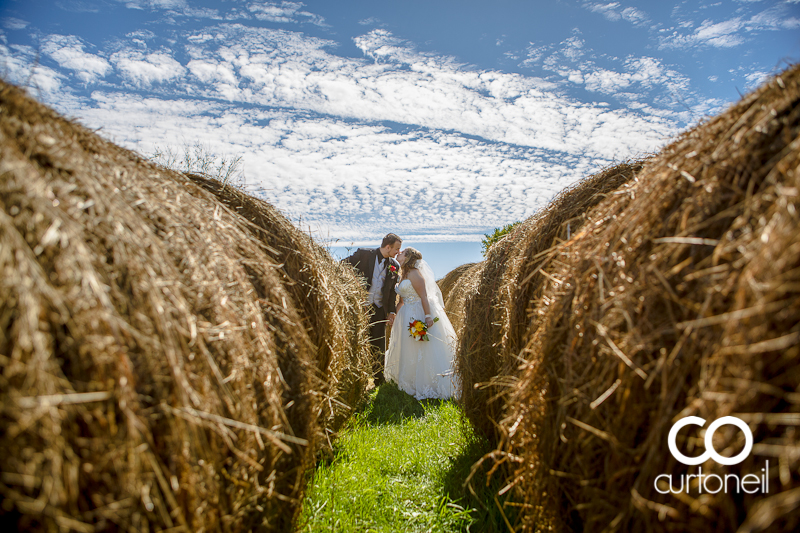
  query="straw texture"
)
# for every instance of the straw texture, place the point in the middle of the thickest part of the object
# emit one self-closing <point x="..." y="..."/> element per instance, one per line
<point x="160" y="368"/>
<point x="678" y="296"/>
<point x="458" y="285"/>
<point x="496" y="312"/>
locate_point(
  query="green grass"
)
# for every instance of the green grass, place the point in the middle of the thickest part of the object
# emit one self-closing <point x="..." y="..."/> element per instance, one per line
<point x="400" y="465"/>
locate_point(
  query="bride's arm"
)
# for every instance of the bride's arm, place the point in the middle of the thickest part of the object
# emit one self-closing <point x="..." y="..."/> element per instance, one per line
<point x="419" y="285"/>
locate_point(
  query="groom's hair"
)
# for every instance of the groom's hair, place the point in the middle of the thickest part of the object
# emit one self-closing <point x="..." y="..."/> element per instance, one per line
<point x="390" y="239"/>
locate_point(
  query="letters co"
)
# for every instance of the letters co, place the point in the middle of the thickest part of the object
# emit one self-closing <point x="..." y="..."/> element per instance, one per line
<point x="712" y="483"/>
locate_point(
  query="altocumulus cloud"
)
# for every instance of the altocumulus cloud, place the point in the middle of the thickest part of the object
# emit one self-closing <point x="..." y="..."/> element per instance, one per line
<point x="284" y="12"/>
<point x="68" y="52"/>
<point x="614" y="11"/>
<point x="344" y="144"/>
<point x="143" y="69"/>
<point x="734" y="31"/>
<point x="18" y="63"/>
<point x="285" y="69"/>
<point x="344" y="179"/>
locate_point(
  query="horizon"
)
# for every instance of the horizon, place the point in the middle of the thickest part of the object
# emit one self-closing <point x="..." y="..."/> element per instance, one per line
<point x="442" y="257"/>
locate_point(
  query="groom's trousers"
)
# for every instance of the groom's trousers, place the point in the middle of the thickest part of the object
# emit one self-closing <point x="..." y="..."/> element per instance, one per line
<point x="377" y="337"/>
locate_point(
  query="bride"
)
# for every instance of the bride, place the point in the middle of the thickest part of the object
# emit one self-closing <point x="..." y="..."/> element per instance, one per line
<point x="422" y="368"/>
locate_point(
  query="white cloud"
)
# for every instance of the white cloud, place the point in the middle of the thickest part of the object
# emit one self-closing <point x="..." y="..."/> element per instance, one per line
<point x="284" y="12"/>
<point x="606" y="81"/>
<point x="477" y="148"/>
<point x="717" y="34"/>
<point x="21" y="68"/>
<point x="77" y="6"/>
<point x="154" y="4"/>
<point x="380" y="44"/>
<point x="607" y="10"/>
<point x="340" y="176"/>
<point x="143" y="70"/>
<point x="173" y="7"/>
<point x="371" y="21"/>
<point x="612" y="12"/>
<point x="533" y="55"/>
<point x="720" y="34"/>
<point x="732" y="32"/>
<point x="221" y="75"/>
<point x="754" y="79"/>
<point x="141" y="34"/>
<point x="13" y="23"/>
<point x="635" y="16"/>
<point x="208" y="72"/>
<point x="773" y="19"/>
<point x="67" y="51"/>
<point x="413" y="88"/>
<point x="573" y="48"/>
<point x="201" y="12"/>
<point x="631" y="80"/>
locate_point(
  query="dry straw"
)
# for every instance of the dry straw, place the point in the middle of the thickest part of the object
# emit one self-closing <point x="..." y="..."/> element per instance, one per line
<point x="327" y="293"/>
<point x="159" y="366"/>
<point x="677" y="297"/>
<point x="496" y="311"/>
<point x="458" y="285"/>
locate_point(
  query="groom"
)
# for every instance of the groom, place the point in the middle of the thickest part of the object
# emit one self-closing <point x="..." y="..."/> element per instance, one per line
<point x="380" y="271"/>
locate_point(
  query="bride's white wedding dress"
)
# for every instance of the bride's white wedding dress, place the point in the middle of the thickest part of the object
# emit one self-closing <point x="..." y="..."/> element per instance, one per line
<point x="423" y="369"/>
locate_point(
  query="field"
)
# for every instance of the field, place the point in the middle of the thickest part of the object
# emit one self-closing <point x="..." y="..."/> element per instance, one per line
<point x="177" y="356"/>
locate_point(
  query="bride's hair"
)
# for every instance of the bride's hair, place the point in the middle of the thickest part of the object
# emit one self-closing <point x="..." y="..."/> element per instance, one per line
<point x="412" y="256"/>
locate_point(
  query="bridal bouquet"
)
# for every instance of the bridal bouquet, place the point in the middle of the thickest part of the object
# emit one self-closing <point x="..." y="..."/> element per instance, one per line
<point x="419" y="329"/>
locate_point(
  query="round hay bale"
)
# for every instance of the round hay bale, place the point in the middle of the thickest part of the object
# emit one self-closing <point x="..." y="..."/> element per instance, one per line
<point x="497" y="314"/>
<point x="328" y="294"/>
<point x="678" y="298"/>
<point x="474" y="361"/>
<point x="450" y="280"/>
<point x="456" y="287"/>
<point x="157" y="370"/>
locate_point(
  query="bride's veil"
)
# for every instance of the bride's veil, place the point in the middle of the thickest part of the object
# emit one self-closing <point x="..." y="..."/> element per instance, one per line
<point x="430" y="282"/>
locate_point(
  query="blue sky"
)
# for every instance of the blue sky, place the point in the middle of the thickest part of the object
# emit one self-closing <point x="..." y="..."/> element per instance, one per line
<point x="439" y="120"/>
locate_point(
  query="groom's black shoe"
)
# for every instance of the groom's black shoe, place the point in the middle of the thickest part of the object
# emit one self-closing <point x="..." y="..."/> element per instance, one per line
<point x="379" y="379"/>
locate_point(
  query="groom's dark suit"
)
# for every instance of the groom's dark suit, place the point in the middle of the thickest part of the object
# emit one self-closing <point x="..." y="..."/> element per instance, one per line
<point x="364" y="262"/>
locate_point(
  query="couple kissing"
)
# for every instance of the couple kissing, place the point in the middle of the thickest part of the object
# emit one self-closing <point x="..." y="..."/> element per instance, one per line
<point x="403" y="294"/>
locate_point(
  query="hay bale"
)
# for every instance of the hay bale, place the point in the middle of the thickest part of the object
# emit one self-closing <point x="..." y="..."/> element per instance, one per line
<point x="474" y="361"/>
<point x="157" y="369"/>
<point x="678" y="298"/>
<point x="328" y="294"/>
<point x="451" y="279"/>
<point x="496" y="315"/>
<point x="456" y="287"/>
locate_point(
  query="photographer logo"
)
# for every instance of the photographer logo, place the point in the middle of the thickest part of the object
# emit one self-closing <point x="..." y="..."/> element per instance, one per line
<point x="713" y="483"/>
<point x="710" y="451"/>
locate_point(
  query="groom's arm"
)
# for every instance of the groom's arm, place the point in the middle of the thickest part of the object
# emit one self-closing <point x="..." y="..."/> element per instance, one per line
<point x="392" y="300"/>
<point x="392" y="308"/>
<point x="392" y="314"/>
<point x="357" y="261"/>
<point x="353" y="259"/>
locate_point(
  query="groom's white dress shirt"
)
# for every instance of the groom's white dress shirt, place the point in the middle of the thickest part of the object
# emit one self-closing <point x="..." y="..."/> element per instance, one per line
<point x="378" y="277"/>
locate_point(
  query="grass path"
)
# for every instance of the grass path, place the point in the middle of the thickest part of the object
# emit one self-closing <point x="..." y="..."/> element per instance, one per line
<point x="400" y="465"/>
